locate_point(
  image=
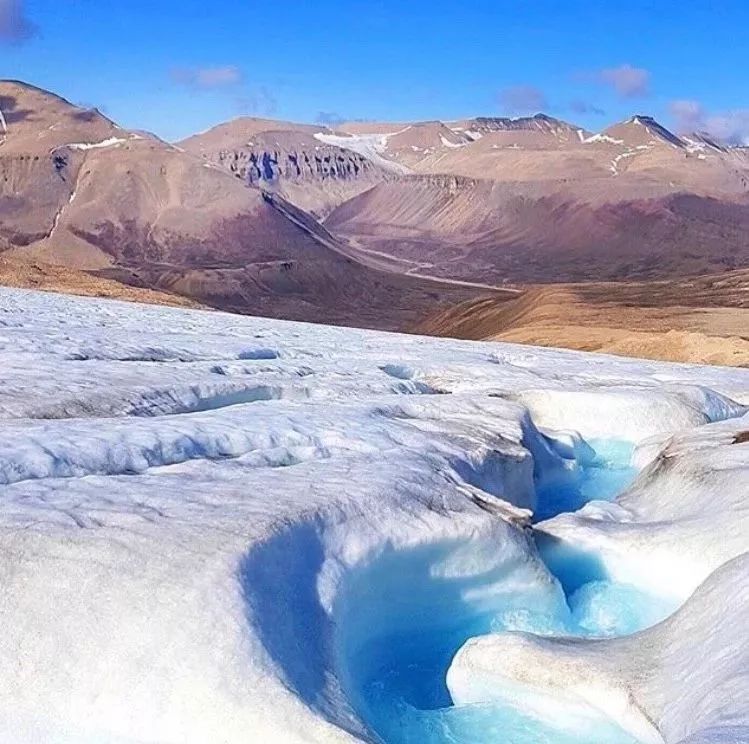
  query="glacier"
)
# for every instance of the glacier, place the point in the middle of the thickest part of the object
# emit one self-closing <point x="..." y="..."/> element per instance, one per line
<point x="218" y="528"/>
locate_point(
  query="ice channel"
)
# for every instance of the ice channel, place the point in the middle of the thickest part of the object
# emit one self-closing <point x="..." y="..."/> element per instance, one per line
<point x="427" y="602"/>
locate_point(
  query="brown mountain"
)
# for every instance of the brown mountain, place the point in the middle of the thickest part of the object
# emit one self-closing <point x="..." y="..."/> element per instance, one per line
<point x="77" y="190"/>
<point x="52" y="278"/>
<point x="288" y="159"/>
<point x="502" y="200"/>
<point x="539" y="200"/>
<point x="228" y="217"/>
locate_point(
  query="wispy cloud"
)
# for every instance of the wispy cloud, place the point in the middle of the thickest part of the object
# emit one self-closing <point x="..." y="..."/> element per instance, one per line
<point x="626" y="80"/>
<point x="688" y="116"/>
<point x="207" y="78"/>
<point x="228" y="80"/>
<point x="15" y="25"/>
<point x="731" y="127"/>
<point x="522" y="99"/>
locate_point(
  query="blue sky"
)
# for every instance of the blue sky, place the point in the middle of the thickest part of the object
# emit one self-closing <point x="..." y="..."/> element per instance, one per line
<point x="179" y="67"/>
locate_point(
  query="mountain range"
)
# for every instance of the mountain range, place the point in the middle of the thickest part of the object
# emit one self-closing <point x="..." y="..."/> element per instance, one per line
<point x="365" y="223"/>
<point x="78" y="190"/>
<point x="508" y="200"/>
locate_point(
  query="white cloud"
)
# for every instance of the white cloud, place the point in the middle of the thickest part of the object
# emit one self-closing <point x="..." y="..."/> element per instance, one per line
<point x="257" y="101"/>
<point x="626" y="80"/>
<point x="580" y="106"/>
<point x="731" y="127"/>
<point x="688" y="116"/>
<point x="228" y="80"/>
<point x="329" y="118"/>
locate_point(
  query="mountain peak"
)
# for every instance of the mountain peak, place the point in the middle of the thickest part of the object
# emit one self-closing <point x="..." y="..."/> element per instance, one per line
<point x="655" y="128"/>
<point x="641" y="130"/>
<point x="538" y="122"/>
<point x="19" y="94"/>
<point x="32" y="117"/>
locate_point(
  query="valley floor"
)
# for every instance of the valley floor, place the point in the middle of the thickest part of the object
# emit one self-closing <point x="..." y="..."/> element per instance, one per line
<point x="704" y="320"/>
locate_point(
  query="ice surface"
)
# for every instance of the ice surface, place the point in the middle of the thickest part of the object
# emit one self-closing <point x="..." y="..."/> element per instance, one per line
<point x="213" y="527"/>
<point x="598" y="474"/>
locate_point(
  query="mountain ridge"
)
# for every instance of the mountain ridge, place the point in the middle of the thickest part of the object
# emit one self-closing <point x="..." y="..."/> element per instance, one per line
<point x="80" y="191"/>
<point x="365" y="223"/>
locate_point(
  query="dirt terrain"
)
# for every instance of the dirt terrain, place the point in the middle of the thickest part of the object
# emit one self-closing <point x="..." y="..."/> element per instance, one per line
<point x="701" y="320"/>
<point x="540" y="200"/>
<point x="50" y="278"/>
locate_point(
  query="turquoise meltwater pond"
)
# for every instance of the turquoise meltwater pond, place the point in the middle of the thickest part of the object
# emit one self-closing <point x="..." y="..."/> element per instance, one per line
<point x="408" y="620"/>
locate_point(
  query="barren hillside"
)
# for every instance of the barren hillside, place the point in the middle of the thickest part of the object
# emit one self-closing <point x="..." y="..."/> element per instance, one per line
<point x="701" y="319"/>
<point x="79" y="191"/>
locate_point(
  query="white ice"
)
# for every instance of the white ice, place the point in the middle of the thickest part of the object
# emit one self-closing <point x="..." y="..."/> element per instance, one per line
<point x="188" y="498"/>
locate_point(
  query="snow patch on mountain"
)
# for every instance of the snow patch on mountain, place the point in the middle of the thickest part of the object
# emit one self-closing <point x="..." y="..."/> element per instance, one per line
<point x="110" y="142"/>
<point x="371" y="146"/>
<point x="603" y="138"/>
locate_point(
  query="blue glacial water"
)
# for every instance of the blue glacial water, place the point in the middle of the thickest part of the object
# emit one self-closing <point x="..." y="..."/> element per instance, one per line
<point x="605" y="475"/>
<point x="395" y="679"/>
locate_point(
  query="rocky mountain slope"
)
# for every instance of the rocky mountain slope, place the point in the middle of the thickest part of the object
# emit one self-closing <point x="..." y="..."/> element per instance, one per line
<point x="546" y="149"/>
<point x="540" y="200"/>
<point x="61" y="279"/>
<point x="77" y="190"/>
<point x="288" y="159"/>
<point x="478" y="229"/>
<point x="545" y="185"/>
